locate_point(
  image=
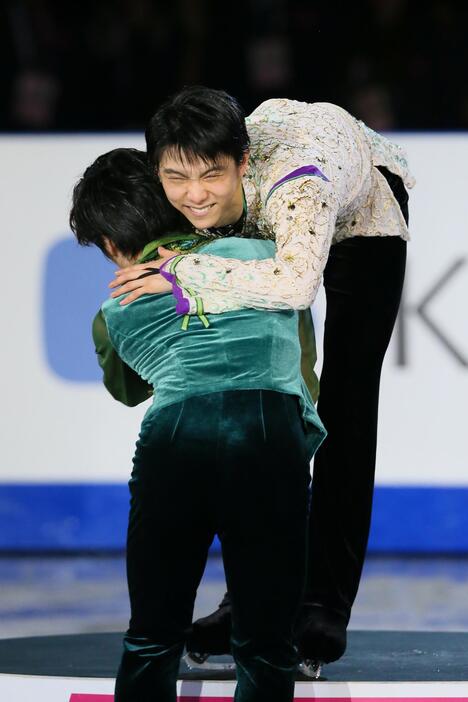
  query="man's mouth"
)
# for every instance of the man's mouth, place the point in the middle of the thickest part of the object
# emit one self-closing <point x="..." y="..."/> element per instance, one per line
<point x="199" y="211"/>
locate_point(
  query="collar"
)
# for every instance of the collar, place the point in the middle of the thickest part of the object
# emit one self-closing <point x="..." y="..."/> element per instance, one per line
<point x="179" y="243"/>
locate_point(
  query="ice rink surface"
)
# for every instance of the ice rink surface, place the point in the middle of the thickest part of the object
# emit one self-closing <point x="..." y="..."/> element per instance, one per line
<point x="43" y="595"/>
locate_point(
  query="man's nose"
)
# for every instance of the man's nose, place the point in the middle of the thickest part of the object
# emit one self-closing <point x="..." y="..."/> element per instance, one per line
<point x="196" y="192"/>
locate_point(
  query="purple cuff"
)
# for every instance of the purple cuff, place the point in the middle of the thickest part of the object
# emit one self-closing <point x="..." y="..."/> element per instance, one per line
<point x="182" y="304"/>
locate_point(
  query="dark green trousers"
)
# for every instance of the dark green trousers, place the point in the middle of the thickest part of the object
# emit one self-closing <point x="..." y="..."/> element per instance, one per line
<point x="233" y="464"/>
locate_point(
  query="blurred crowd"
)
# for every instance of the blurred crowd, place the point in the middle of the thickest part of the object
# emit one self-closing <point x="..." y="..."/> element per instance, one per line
<point x="107" y="64"/>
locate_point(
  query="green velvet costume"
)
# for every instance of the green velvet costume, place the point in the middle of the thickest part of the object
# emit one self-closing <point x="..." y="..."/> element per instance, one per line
<point x="240" y="350"/>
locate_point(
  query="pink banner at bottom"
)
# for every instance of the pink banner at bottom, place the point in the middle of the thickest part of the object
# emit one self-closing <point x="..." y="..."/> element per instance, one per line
<point x="203" y="698"/>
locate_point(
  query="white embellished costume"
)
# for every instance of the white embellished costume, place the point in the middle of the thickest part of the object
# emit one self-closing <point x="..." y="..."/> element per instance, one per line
<point x="312" y="182"/>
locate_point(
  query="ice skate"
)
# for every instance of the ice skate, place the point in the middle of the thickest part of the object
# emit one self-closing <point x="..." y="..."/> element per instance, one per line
<point x="200" y="661"/>
<point x="311" y="669"/>
<point x="320" y="638"/>
<point x="210" y="636"/>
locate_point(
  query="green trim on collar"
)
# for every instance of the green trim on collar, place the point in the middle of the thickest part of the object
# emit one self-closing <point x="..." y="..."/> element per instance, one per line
<point x="151" y="250"/>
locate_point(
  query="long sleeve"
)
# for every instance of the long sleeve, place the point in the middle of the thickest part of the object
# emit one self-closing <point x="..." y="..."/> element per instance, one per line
<point x="302" y="215"/>
<point x="123" y="383"/>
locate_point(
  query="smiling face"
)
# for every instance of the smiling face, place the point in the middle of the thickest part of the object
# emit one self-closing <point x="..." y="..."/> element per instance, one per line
<point x="209" y="194"/>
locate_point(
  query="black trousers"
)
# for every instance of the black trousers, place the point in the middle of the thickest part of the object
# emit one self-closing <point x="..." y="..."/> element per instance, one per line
<point x="363" y="281"/>
<point x="228" y="463"/>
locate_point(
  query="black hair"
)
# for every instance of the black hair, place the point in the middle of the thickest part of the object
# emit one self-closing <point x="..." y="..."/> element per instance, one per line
<point x="118" y="198"/>
<point x="198" y="122"/>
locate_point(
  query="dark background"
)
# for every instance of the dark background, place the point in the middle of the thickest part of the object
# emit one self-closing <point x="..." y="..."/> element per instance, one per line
<point x="106" y="65"/>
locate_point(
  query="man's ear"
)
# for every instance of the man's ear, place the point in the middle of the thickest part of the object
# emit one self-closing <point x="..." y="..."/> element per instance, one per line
<point x="244" y="163"/>
<point x="111" y="249"/>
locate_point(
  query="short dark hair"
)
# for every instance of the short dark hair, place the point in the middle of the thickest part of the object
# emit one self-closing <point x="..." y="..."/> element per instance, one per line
<point x="118" y="198"/>
<point x="198" y="122"/>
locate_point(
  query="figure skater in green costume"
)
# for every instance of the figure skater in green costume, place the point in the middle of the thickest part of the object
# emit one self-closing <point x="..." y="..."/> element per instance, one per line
<point x="223" y="449"/>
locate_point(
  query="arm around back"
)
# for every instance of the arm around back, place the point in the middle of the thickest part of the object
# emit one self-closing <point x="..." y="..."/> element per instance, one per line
<point x="302" y="217"/>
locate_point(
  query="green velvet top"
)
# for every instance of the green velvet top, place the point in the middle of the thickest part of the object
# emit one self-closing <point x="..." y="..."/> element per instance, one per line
<point x="240" y="350"/>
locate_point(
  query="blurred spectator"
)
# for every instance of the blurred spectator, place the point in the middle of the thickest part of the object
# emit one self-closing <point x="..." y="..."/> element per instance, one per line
<point x="34" y="100"/>
<point x="373" y="105"/>
<point x="107" y="65"/>
<point x="269" y="65"/>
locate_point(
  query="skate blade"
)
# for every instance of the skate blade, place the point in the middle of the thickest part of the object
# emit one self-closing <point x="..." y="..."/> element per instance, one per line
<point x="312" y="669"/>
<point x="199" y="661"/>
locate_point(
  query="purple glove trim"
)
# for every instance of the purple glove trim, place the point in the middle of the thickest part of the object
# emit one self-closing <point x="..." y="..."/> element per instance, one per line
<point x="182" y="304"/>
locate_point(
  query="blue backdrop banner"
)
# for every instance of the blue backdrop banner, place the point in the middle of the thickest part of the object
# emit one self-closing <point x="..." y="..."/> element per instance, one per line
<point x="89" y="516"/>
